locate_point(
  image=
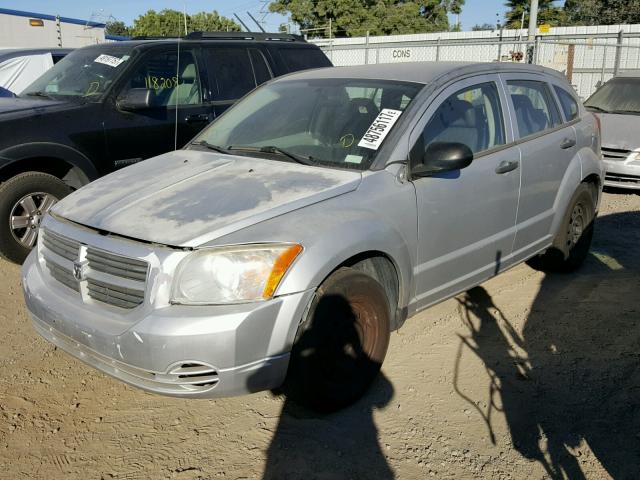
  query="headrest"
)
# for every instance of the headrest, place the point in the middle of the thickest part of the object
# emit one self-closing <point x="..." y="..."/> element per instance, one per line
<point x="522" y="102"/>
<point x="189" y="72"/>
<point x="364" y="106"/>
<point x="457" y="113"/>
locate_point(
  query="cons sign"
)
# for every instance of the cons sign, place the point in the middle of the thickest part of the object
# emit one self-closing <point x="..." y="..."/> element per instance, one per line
<point x="401" y="53"/>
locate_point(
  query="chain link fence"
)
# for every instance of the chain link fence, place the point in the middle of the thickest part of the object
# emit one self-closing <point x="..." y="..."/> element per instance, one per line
<point x="586" y="60"/>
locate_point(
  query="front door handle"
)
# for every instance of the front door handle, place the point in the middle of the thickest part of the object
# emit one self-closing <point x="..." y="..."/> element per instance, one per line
<point x="506" y="166"/>
<point x="197" y="118"/>
<point x="567" y="143"/>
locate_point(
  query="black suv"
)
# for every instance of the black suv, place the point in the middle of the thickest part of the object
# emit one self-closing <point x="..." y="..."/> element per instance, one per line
<point x="107" y="106"/>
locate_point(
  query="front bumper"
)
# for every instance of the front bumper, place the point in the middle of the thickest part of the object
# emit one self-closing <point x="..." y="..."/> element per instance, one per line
<point x="622" y="174"/>
<point x="185" y="351"/>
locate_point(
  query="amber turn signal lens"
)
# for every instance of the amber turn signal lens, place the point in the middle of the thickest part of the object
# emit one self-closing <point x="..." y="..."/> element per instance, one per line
<point x="280" y="267"/>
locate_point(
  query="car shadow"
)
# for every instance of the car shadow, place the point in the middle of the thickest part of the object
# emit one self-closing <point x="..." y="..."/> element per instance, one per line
<point x="572" y="375"/>
<point x="329" y="446"/>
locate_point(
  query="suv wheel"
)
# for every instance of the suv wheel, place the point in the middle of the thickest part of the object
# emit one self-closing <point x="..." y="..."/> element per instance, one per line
<point x="340" y="348"/>
<point x="572" y="244"/>
<point x="24" y="199"/>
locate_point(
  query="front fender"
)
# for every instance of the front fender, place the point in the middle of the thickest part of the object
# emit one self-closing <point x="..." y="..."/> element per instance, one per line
<point x="66" y="153"/>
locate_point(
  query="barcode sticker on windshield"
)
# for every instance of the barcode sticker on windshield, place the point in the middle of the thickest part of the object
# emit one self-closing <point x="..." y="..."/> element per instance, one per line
<point x="109" y="60"/>
<point x="379" y="129"/>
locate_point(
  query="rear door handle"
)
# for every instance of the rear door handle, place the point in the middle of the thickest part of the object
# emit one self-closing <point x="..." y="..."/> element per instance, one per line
<point x="197" y="118"/>
<point x="567" y="143"/>
<point x="506" y="166"/>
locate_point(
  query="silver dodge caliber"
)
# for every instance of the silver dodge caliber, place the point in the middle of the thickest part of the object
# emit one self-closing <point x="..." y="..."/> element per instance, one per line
<point x="285" y="242"/>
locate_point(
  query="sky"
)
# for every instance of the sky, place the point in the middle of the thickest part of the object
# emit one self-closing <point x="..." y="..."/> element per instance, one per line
<point x="474" y="11"/>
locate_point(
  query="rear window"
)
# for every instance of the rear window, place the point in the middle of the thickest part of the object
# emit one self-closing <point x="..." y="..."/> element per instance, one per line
<point x="568" y="103"/>
<point x="303" y="58"/>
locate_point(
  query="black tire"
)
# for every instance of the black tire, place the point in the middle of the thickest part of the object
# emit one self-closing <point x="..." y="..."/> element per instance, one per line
<point x="11" y="192"/>
<point x="572" y="244"/>
<point x="339" y="350"/>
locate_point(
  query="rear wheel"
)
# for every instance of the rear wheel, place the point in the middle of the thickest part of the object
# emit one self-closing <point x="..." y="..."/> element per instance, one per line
<point x="24" y="200"/>
<point x="572" y="244"/>
<point x="340" y="348"/>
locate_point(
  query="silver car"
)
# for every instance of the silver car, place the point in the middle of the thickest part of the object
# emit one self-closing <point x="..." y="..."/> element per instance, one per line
<point x="287" y="240"/>
<point x="617" y="105"/>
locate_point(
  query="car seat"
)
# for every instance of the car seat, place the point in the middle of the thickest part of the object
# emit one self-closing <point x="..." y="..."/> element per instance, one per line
<point x="530" y="119"/>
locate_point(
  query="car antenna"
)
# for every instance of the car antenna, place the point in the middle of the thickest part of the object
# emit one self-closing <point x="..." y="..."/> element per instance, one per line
<point x="241" y="22"/>
<point x="175" y="130"/>
<point x="256" y="22"/>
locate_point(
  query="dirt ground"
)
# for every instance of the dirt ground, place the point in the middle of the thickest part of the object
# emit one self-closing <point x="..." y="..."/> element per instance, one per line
<point x="527" y="376"/>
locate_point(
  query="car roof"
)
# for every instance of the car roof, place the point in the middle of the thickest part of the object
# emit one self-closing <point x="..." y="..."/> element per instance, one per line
<point x="7" y="53"/>
<point x="629" y="74"/>
<point x="419" y="72"/>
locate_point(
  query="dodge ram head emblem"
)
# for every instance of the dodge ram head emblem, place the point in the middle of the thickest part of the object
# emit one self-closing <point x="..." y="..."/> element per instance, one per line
<point x="79" y="270"/>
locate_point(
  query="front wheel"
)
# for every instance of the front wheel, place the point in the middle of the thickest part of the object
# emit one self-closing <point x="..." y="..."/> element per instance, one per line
<point x="340" y="348"/>
<point x="572" y="244"/>
<point x="24" y="200"/>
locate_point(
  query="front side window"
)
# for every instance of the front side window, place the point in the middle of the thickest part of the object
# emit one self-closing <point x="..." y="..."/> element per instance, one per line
<point x="534" y="107"/>
<point x="620" y="95"/>
<point x="85" y="74"/>
<point x="471" y="116"/>
<point x="172" y="83"/>
<point x="568" y="104"/>
<point x="332" y="122"/>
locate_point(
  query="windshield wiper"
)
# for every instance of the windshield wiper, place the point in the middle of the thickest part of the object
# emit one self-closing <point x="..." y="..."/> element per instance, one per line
<point x="304" y="160"/>
<point x="210" y="146"/>
<point x="599" y="109"/>
<point x="632" y="112"/>
<point x="39" y="94"/>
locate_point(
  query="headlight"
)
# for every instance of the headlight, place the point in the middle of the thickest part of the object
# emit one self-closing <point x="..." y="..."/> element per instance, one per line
<point x="244" y="273"/>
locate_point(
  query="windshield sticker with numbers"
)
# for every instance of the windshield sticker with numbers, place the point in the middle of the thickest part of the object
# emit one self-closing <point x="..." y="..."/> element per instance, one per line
<point x="379" y="129"/>
<point x="109" y="60"/>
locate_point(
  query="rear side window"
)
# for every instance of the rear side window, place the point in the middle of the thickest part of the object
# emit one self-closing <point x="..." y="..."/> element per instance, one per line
<point x="471" y="116"/>
<point x="535" y="109"/>
<point x="231" y="67"/>
<point x="303" y="58"/>
<point x="568" y="103"/>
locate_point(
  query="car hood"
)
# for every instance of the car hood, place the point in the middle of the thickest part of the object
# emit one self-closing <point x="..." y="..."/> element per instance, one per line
<point x="28" y="105"/>
<point x="620" y="131"/>
<point x="190" y="197"/>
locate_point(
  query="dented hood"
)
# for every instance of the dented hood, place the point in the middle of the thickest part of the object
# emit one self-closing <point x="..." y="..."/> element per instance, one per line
<point x="189" y="197"/>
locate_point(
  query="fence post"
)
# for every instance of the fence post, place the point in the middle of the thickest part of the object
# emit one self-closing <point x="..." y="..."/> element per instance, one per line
<point x="616" y="66"/>
<point x="366" y="49"/>
<point x="438" y="50"/>
<point x="570" y="59"/>
<point x="604" y="63"/>
<point x="500" y="46"/>
<point x="536" y="51"/>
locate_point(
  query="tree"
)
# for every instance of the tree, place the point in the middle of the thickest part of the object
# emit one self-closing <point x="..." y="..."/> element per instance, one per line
<point x="602" y="12"/>
<point x="547" y="13"/>
<point x="170" y="23"/>
<point x="118" y="28"/>
<point x="483" y="27"/>
<point x="378" y="17"/>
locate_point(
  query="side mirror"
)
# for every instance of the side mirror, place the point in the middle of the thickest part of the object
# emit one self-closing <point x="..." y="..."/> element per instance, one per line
<point x="443" y="157"/>
<point x="137" y="99"/>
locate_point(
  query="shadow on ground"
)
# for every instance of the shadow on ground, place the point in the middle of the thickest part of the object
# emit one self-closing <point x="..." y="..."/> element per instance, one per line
<point x="573" y="374"/>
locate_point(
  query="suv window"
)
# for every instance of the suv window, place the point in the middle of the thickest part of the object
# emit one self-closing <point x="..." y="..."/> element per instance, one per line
<point x="260" y="67"/>
<point x="535" y="109"/>
<point x="303" y="58"/>
<point x="172" y="85"/>
<point x="471" y="116"/>
<point x="231" y="67"/>
<point x="568" y="103"/>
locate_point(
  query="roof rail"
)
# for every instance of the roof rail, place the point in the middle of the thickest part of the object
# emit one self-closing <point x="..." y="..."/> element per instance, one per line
<point x="281" y="37"/>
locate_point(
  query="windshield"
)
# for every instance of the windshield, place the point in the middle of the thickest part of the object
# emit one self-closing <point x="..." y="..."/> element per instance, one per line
<point x="620" y="95"/>
<point x="83" y="74"/>
<point x="330" y="122"/>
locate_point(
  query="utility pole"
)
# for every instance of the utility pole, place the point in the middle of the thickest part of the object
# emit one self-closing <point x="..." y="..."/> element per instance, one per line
<point x="533" y="20"/>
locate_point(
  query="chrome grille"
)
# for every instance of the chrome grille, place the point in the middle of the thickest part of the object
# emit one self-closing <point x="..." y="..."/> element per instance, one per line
<point x="62" y="246"/>
<point x="117" y="265"/>
<point x="114" y="294"/>
<point x="615" y="154"/>
<point x="110" y="278"/>
<point x="62" y="274"/>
